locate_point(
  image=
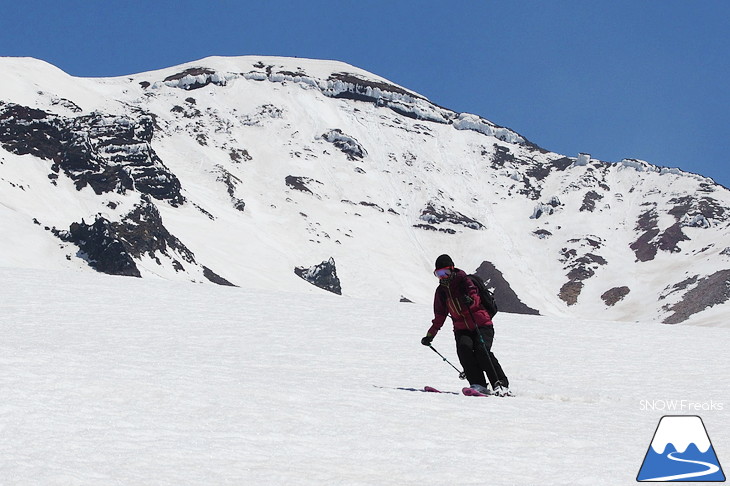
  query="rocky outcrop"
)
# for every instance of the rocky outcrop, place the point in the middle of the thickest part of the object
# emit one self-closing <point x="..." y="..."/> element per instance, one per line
<point x="506" y="298"/>
<point x="115" y="247"/>
<point x="322" y="275"/>
<point x="704" y="293"/>
<point x="346" y="144"/>
<point x="438" y="214"/>
<point x="301" y="184"/>
<point x="614" y="295"/>
<point x="703" y="212"/>
<point x="107" y="153"/>
<point x="645" y="247"/>
<point x="546" y="208"/>
<point x="231" y="182"/>
<point x="581" y="261"/>
<point x="195" y="78"/>
<point x="589" y="201"/>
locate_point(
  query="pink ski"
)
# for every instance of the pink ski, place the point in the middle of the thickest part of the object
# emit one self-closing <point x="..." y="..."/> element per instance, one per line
<point x="431" y="389"/>
<point x="471" y="392"/>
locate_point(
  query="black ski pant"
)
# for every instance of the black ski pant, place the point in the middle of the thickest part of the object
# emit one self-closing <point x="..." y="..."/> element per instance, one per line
<point x="476" y="356"/>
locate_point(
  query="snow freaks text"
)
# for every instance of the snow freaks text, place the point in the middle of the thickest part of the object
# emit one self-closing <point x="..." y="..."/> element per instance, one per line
<point x="680" y="406"/>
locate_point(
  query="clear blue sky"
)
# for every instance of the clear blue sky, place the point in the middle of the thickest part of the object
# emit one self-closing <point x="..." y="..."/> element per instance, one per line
<point x="645" y="79"/>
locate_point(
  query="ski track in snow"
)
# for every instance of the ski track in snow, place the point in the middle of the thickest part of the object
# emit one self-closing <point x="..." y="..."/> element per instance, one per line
<point x="112" y="380"/>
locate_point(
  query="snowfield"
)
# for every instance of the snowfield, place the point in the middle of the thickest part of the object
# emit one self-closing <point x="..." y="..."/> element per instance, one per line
<point x="113" y="380"/>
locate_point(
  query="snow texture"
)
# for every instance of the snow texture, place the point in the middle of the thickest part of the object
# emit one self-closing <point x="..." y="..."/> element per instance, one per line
<point x="117" y="380"/>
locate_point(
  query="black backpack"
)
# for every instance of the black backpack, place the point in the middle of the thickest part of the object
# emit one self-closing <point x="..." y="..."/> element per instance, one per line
<point x="485" y="295"/>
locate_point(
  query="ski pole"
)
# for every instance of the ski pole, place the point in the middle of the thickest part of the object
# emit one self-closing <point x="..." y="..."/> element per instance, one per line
<point x="484" y="345"/>
<point x="462" y="375"/>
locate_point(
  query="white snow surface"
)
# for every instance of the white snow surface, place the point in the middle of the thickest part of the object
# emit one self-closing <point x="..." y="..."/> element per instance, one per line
<point x="113" y="380"/>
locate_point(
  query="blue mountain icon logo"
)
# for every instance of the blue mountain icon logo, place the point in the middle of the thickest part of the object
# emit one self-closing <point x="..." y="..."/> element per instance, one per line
<point x="681" y="451"/>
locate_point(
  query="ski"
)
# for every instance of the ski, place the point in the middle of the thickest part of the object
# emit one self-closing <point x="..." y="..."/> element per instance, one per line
<point x="468" y="391"/>
<point x="471" y="392"/>
<point x="426" y="389"/>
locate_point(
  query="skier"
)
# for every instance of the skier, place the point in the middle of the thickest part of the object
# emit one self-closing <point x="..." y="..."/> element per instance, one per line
<point x="473" y="329"/>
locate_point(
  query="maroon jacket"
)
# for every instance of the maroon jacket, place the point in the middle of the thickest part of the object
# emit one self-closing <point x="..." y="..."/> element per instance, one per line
<point x="450" y="298"/>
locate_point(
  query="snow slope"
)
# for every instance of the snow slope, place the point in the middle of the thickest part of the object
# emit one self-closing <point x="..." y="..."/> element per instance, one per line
<point x="259" y="165"/>
<point x="112" y="380"/>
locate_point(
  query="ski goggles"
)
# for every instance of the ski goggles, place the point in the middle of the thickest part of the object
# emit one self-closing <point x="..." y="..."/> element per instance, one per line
<point x="443" y="273"/>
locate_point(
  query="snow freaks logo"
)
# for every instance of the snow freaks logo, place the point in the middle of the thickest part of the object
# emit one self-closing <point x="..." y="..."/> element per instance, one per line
<point x="681" y="451"/>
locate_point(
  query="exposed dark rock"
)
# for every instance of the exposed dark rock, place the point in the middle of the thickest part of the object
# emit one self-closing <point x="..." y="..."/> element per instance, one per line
<point x="590" y="258"/>
<point x="215" y="278"/>
<point x="708" y="292"/>
<point x="107" y="153"/>
<point x="539" y="171"/>
<point x="688" y="207"/>
<point x="529" y="190"/>
<point x="231" y="182"/>
<point x="113" y="247"/>
<point x="687" y="211"/>
<point x="554" y="202"/>
<point x="372" y="205"/>
<point x="653" y="239"/>
<point x="562" y="163"/>
<point x="542" y="233"/>
<point x="506" y="298"/>
<point x="570" y="291"/>
<point x="437" y="215"/>
<point x="189" y="112"/>
<point x="364" y="89"/>
<point x="567" y="254"/>
<point x="433" y="228"/>
<point x="323" y="275"/>
<point x="102" y="248"/>
<point x="614" y="295"/>
<point x="682" y="205"/>
<point x="113" y="154"/>
<point x="240" y="155"/>
<point x="388" y="95"/>
<point x="671" y="237"/>
<point x="546" y="209"/>
<point x="580" y="268"/>
<point x="581" y="273"/>
<point x="679" y="286"/>
<point x="405" y="300"/>
<point x="345" y="143"/>
<point x="26" y="130"/>
<point x="301" y="184"/>
<point x="143" y="232"/>
<point x="645" y="248"/>
<point x="68" y="104"/>
<point x="501" y="157"/>
<point x="589" y="201"/>
<point x="194" y="78"/>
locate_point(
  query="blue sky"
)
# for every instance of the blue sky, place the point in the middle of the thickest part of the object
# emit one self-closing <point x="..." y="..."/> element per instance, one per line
<point x="641" y="79"/>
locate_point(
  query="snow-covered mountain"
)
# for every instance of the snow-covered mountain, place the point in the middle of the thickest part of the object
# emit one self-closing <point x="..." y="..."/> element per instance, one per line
<point x="275" y="173"/>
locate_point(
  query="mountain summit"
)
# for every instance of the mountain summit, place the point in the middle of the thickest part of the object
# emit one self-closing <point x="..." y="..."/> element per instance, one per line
<point x="306" y="175"/>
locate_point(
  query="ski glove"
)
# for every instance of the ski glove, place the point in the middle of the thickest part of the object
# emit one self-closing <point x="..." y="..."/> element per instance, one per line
<point x="426" y="341"/>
